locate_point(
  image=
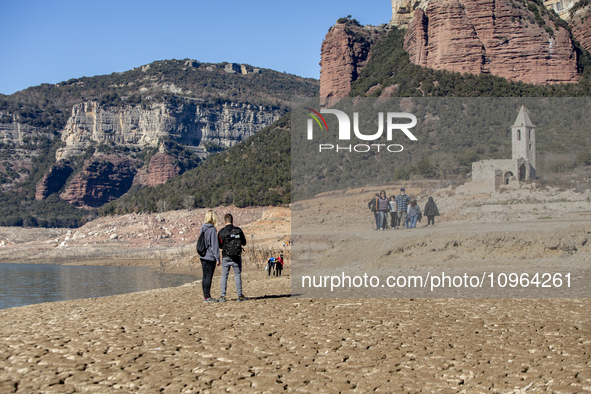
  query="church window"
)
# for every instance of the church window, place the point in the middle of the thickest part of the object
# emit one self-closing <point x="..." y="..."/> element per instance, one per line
<point x="518" y="135"/>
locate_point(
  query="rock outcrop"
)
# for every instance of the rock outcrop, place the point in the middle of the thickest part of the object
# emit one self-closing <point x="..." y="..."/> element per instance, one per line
<point x="580" y="24"/>
<point x="18" y="142"/>
<point x="53" y="181"/>
<point x="161" y="168"/>
<point x="102" y="179"/>
<point x="561" y="7"/>
<point x="403" y="11"/>
<point x="14" y="132"/>
<point x="498" y="37"/>
<point x="345" y="51"/>
<point x="189" y="122"/>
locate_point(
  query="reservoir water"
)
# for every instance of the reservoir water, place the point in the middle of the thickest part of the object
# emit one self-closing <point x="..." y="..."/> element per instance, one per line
<point x="24" y="284"/>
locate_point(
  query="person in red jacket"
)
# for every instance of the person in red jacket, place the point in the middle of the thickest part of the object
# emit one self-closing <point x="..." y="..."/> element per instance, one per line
<point x="279" y="265"/>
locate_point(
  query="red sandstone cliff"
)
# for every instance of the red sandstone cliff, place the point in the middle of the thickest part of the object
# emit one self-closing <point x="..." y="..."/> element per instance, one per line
<point x="497" y="37"/>
<point x="53" y="181"/>
<point x="345" y="51"/>
<point x="580" y="25"/>
<point x="102" y="179"/>
<point x="161" y="168"/>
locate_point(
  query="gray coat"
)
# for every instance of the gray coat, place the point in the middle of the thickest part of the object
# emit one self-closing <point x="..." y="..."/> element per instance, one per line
<point x="211" y="242"/>
<point x="413" y="211"/>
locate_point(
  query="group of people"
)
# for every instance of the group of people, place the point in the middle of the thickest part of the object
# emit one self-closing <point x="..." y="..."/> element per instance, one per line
<point x="275" y="265"/>
<point x="404" y="211"/>
<point x="230" y="240"/>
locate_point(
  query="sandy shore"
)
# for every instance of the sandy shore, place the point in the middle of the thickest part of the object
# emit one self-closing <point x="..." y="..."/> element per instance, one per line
<point x="169" y="341"/>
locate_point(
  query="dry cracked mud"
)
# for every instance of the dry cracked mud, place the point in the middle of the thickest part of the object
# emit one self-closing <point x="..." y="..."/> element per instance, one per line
<point x="169" y="341"/>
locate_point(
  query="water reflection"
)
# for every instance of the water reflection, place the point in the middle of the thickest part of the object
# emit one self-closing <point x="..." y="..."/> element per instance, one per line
<point x="24" y="284"/>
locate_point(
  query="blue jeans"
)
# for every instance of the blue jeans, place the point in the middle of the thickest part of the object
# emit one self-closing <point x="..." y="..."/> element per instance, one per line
<point x="236" y="264"/>
<point x="383" y="222"/>
<point x="412" y="221"/>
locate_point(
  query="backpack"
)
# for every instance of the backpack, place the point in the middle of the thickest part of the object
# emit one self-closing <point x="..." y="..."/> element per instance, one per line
<point x="201" y="247"/>
<point x="232" y="245"/>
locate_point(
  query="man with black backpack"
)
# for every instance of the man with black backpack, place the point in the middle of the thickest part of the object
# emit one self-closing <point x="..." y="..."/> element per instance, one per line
<point x="231" y="240"/>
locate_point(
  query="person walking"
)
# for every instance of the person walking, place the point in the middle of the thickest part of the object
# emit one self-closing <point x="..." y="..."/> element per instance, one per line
<point x="212" y="256"/>
<point x="279" y="265"/>
<point x="382" y="208"/>
<point x="414" y="214"/>
<point x="372" y="205"/>
<point x="431" y="211"/>
<point x="402" y="201"/>
<point x="270" y="264"/>
<point x="393" y="212"/>
<point x="231" y="241"/>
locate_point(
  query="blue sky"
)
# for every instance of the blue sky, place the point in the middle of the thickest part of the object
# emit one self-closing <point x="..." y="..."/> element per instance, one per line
<point x="53" y="41"/>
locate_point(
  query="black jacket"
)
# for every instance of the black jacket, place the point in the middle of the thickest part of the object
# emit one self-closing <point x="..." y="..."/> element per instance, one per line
<point x="373" y="204"/>
<point x="223" y="234"/>
<point x="431" y="208"/>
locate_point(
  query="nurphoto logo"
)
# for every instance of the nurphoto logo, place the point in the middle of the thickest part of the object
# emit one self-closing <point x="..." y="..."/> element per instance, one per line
<point x="344" y="132"/>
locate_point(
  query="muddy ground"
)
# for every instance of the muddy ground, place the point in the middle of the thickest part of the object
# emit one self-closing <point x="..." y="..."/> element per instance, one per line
<point x="169" y="341"/>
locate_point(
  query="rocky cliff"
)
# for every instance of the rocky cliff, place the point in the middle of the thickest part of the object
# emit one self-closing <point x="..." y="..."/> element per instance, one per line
<point x="102" y="179"/>
<point x="580" y="24"/>
<point x="345" y="51"/>
<point x="403" y="11"/>
<point x="161" y="168"/>
<point x="507" y="38"/>
<point x="120" y="129"/>
<point x="18" y="148"/>
<point x="53" y="181"/>
<point x="498" y="37"/>
<point x="189" y="122"/>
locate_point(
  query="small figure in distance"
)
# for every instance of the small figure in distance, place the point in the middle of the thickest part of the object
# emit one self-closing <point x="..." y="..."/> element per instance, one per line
<point x="402" y="201"/>
<point x="373" y="207"/>
<point x="383" y="206"/>
<point x="208" y="262"/>
<point x="393" y="213"/>
<point x="231" y="240"/>
<point x="431" y="211"/>
<point x="414" y="214"/>
<point x="270" y="265"/>
<point x="279" y="265"/>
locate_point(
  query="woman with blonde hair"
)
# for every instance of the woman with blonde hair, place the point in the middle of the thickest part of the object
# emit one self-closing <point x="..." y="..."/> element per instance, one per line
<point x="212" y="257"/>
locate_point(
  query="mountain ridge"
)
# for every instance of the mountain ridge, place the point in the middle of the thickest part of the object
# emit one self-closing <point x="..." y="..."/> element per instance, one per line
<point x="74" y="138"/>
